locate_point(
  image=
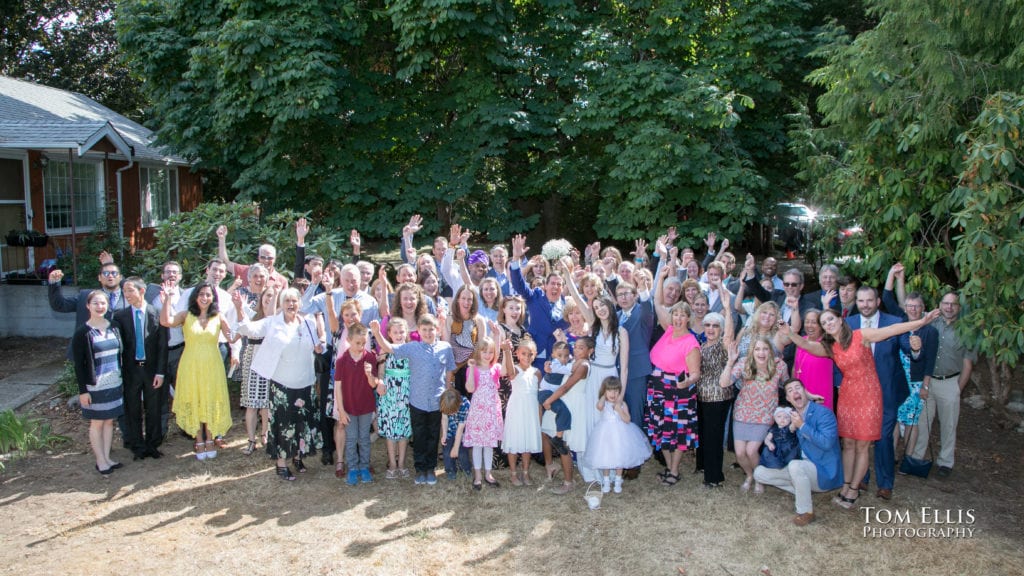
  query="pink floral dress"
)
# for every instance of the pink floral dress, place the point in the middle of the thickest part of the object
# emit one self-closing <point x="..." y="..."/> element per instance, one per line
<point x="484" y="424"/>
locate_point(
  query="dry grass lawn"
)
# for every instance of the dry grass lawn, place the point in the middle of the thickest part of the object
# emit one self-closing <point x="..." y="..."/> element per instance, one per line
<point x="232" y="515"/>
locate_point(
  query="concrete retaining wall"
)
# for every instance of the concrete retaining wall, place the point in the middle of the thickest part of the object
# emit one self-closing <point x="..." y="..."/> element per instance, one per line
<point x="25" y="311"/>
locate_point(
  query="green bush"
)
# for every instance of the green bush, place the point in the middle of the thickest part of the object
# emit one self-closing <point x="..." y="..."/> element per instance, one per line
<point x="105" y="236"/>
<point x="67" y="383"/>
<point x="190" y="238"/>
<point x="20" y="434"/>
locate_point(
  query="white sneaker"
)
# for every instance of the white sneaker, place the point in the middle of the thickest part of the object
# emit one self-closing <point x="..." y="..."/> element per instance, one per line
<point x="606" y="485"/>
<point x="618" y="484"/>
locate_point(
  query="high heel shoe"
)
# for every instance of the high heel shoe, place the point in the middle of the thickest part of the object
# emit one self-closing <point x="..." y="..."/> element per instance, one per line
<point x="285" y="474"/>
<point x="249" y="448"/>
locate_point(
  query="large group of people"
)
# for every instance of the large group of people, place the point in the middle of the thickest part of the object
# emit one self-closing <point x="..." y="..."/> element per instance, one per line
<point x="592" y="360"/>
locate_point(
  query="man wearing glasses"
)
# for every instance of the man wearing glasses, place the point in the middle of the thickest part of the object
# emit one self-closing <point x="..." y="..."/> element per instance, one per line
<point x="953" y="366"/>
<point x="110" y="282"/>
<point x="267" y="255"/>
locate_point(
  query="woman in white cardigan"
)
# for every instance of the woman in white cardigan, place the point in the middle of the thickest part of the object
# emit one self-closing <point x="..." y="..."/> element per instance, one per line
<point x="286" y="359"/>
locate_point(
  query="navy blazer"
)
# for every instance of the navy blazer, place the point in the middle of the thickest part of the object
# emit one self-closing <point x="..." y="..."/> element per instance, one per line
<point x="887" y="361"/>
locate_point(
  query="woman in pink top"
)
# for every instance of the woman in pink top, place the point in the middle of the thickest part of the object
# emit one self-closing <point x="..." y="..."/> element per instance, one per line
<point x="814" y="371"/>
<point x="671" y="415"/>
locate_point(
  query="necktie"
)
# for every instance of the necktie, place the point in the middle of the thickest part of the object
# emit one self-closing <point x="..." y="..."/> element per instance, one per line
<point x="140" y="344"/>
<point x="870" y="323"/>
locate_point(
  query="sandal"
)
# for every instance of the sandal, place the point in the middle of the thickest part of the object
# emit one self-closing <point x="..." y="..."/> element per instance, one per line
<point x="845" y="502"/>
<point x="758" y="488"/>
<point x="299" y="466"/>
<point x="200" y="449"/>
<point x="670" y="479"/>
<point x="340" y="469"/>
<point x="285" y="473"/>
<point x="663" y="474"/>
<point x="211" y="450"/>
<point x="219" y="442"/>
<point x="249" y="448"/>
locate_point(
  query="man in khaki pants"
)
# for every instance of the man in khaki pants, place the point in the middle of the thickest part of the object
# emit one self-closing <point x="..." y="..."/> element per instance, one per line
<point x="953" y="365"/>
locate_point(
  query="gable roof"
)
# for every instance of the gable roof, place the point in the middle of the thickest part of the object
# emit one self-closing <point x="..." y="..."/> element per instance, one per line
<point x="40" y="117"/>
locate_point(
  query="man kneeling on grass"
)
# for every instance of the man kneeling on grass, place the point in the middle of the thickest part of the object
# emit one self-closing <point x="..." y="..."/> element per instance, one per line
<point x="820" y="468"/>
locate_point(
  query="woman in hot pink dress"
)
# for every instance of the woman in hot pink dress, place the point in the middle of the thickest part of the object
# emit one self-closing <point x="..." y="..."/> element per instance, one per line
<point x="860" y="396"/>
<point x="816" y="372"/>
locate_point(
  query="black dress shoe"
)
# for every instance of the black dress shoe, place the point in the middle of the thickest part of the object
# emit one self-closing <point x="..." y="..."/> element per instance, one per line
<point x="327" y="458"/>
<point x="154" y="453"/>
<point x="139" y="456"/>
<point x="116" y="466"/>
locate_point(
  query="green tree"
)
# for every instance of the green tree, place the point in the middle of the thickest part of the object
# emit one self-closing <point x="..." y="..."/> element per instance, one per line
<point x="71" y="45"/>
<point x="917" y="144"/>
<point x="504" y="116"/>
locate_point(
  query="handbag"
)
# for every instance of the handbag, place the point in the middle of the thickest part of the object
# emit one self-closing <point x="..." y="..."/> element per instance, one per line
<point x="919" y="467"/>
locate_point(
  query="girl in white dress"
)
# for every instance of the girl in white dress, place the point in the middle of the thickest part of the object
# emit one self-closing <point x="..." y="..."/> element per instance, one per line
<point x="611" y="358"/>
<point x="615" y="443"/>
<point x="522" y="426"/>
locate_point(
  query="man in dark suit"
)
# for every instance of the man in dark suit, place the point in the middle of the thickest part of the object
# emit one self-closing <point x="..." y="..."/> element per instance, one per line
<point x="892" y="378"/>
<point x="110" y="282"/>
<point x="144" y="364"/>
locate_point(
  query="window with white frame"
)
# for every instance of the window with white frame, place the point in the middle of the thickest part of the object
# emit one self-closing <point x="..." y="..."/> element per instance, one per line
<point x="159" y="194"/>
<point x="87" y="190"/>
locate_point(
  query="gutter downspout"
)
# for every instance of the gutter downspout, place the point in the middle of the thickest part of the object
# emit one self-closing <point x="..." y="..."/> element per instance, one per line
<point x="120" y="203"/>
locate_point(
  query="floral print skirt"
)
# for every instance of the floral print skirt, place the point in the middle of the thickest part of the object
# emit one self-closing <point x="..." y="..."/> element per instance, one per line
<point x="294" y="422"/>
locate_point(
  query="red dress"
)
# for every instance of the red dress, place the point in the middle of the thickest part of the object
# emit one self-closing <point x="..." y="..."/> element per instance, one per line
<point x="860" y="397"/>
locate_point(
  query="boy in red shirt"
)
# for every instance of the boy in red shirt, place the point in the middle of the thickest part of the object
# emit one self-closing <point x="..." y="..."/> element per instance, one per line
<point x="354" y="383"/>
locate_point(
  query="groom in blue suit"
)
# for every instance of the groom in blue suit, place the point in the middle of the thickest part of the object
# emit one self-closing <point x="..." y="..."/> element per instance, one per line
<point x="892" y="378"/>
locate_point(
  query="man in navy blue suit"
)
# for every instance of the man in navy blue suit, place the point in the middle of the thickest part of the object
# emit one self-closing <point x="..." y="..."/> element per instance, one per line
<point x="892" y="378"/>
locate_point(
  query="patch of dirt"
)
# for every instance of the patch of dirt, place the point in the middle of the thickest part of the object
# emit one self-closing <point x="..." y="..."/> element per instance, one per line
<point x="18" y="353"/>
<point x="233" y="515"/>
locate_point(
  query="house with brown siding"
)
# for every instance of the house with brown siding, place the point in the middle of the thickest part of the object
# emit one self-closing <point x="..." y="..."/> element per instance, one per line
<point x="66" y="160"/>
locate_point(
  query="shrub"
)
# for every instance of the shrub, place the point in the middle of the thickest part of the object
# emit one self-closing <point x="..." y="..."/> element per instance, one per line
<point x="20" y="434"/>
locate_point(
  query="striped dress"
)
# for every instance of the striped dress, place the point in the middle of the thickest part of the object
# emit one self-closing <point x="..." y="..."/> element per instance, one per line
<point x="106" y="392"/>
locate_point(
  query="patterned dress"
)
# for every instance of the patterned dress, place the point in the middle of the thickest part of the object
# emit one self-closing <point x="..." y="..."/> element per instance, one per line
<point x="484" y="424"/>
<point x="105" y="392"/>
<point x="859" y="411"/>
<point x="255" y="388"/>
<point x="393" y="421"/>
<point x="671" y="414"/>
<point x="756" y="402"/>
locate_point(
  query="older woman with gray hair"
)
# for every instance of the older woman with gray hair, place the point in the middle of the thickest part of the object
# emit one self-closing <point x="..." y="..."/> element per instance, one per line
<point x="286" y="359"/>
<point x="713" y="400"/>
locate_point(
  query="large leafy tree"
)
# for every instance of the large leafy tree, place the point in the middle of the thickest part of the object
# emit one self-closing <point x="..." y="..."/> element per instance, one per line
<point x="71" y="45"/>
<point x="921" y="145"/>
<point x="568" y="117"/>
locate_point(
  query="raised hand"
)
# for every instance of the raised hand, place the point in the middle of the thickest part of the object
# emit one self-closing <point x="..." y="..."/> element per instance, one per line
<point x="327" y="280"/>
<point x="710" y="241"/>
<point x="106" y="258"/>
<point x="222" y="232"/>
<point x="354" y="239"/>
<point x="749" y="265"/>
<point x="725" y="244"/>
<point x="414" y="225"/>
<point x="55" y="276"/>
<point x="826" y="299"/>
<point x="519" y="247"/>
<point x="301" y="230"/>
<point x="671" y="236"/>
<point x="641" y="249"/>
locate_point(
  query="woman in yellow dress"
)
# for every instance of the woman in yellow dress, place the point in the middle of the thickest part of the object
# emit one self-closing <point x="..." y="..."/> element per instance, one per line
<point x="201" y="404"/>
